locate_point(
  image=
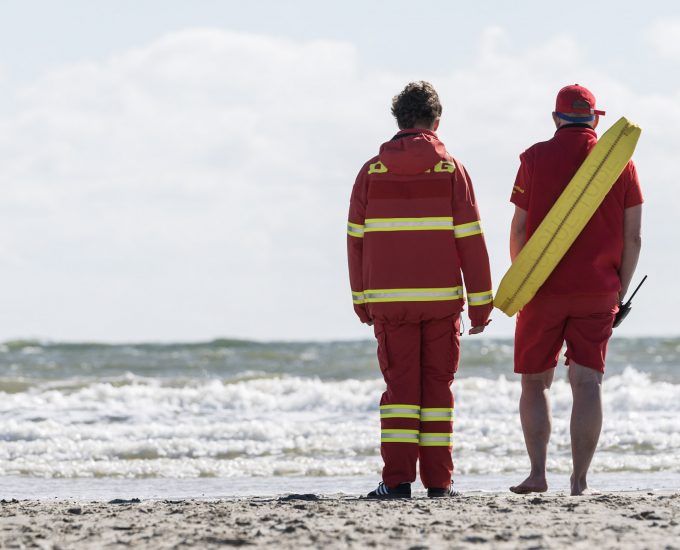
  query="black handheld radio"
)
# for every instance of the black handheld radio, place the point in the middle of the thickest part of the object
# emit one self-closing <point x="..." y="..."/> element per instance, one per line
<point x="624" y="309"/>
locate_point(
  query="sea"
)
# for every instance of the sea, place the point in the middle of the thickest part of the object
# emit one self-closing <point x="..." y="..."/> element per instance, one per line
<point x="237" y="418"/>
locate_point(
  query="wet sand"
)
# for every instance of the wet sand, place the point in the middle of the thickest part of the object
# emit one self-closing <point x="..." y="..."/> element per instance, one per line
<point x="614" y="520"/>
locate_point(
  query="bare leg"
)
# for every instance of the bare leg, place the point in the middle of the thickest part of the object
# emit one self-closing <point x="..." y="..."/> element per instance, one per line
<point x="586" y="423"/>
<point x="534" y="412"/>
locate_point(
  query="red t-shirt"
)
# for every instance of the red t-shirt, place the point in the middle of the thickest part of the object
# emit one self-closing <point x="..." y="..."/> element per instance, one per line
<point x="591" y="265"/>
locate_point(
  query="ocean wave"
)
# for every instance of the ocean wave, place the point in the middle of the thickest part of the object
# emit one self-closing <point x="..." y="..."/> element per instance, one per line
<point x="228" y="359"/>
<point x="134" y="426"/>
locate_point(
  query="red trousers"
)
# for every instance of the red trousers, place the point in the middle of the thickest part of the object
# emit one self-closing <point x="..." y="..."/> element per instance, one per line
<point x="418" y="361"/>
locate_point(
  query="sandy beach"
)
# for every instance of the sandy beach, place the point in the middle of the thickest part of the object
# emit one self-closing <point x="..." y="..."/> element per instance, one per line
<point x="613" y="520"/>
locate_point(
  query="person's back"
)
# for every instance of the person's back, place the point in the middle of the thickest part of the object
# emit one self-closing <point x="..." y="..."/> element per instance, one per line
<point x="411" y="268"/>
<point x="413" y="227"/>
<point x="546" y="169"/>
<point x="578" y="301"/>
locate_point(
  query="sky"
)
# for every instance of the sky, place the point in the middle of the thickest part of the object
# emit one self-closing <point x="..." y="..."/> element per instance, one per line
<point x="182" y="170"/>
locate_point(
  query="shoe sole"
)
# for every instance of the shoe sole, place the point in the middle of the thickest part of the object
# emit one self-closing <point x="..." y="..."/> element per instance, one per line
<point x="386" y="497"/>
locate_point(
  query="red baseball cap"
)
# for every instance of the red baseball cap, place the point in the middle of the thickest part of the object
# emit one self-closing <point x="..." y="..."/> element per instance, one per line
<point x="576" y="99"/>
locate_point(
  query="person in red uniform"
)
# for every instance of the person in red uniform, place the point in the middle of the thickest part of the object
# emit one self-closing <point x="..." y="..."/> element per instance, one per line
<point x="579" y="300"/>
<point x="413" y="227"/>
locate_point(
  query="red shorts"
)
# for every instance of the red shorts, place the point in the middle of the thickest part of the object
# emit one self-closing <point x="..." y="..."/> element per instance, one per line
<point x="585" y="322"/>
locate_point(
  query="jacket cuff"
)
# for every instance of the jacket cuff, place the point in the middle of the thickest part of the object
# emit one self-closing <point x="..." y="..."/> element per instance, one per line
<point x="479" y="315"/>
<point x="361" y="312"/>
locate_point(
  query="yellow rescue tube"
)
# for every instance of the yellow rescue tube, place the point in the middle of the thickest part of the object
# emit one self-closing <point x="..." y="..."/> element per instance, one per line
<point x="568" y="216"/>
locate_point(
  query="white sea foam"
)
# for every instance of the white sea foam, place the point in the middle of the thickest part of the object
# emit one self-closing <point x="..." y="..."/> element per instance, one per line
<point x="139" y="427"/>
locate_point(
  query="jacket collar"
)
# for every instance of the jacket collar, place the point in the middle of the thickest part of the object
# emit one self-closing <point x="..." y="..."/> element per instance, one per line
<point x="414" y="132"/>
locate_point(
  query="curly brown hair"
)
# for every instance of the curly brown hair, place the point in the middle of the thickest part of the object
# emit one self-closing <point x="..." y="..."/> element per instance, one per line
<point x="417" y="104"/>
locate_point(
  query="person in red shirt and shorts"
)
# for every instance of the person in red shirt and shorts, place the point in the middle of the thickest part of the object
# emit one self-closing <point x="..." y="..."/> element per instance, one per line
<point x="580" y="298"/>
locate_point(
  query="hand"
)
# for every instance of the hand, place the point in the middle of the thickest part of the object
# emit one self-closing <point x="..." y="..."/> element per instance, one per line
<point x="622" y="294"/>
<point x="479" y="329"/>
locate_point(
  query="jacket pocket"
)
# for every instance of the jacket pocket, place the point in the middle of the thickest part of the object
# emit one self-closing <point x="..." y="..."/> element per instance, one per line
<point x="381" y="337"/>
<point x="455" y="344"/>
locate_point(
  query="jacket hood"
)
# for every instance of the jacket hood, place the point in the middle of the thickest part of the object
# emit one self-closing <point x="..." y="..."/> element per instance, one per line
<point x="412" y="151"/>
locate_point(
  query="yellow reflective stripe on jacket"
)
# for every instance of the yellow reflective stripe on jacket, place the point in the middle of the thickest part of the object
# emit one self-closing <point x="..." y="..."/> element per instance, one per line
<point x="407" y="295"/>
<point x="399" y="411"/>
<point x="355" y="229"/>
<point x="467" y="229"/>
<point x="479" y="298"/>
<point x="443" y="166"/>
<point x="399" y="436"/>
<point x="436" y="415"/>
<point x="377" y="168"/>
<point x="436" y="439"/>
<point x="408" y="224"/>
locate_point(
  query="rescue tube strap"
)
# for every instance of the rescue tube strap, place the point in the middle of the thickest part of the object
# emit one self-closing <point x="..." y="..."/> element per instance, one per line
<point x="407" y="295"/>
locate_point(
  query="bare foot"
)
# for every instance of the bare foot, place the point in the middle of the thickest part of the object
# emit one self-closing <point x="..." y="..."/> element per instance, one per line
<point x="586" y="492"/>
<point x="531" y="484"/>
<point x="579" y="488"/>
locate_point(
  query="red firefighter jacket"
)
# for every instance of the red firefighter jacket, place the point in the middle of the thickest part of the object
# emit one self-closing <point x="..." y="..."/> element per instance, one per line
<point x="413" y="227"/>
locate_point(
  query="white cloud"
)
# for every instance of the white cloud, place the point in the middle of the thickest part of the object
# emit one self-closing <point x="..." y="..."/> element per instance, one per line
<point x="664" y="36"/>
<point x="198" y="186"/>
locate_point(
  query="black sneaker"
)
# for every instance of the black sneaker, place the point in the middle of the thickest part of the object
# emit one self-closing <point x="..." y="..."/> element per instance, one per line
<point x="383" y="491"/>
<point x="439" y="493"/>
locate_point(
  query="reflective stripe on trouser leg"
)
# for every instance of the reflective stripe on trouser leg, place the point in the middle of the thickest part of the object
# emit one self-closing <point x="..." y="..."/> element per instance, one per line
<point x="439" y="353"/>
<point x="436" y="415"/>
<point x="399" y="358"/>
<point x="399" y="410"/>
<point x="397" y="435"/>
<point x="441" y="439"/>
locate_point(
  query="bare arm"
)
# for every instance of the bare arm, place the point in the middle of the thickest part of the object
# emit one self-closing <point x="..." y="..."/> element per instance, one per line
<point x="632" y="242"/>
<point x="518" y="232"/>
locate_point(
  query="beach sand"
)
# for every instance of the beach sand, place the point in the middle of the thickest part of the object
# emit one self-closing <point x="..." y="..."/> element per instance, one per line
<point x="614" y="520"/>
